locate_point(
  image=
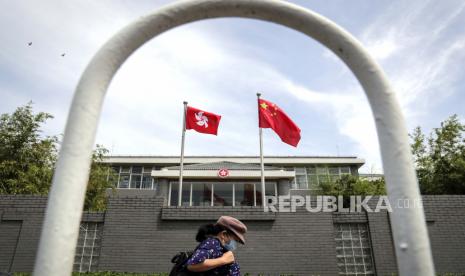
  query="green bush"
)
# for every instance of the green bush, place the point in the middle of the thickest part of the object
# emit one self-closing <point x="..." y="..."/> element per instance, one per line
<point x="104" y="273"/>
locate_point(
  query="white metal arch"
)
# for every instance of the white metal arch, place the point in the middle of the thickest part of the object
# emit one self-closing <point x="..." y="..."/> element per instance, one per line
<point x="66" y="199"/>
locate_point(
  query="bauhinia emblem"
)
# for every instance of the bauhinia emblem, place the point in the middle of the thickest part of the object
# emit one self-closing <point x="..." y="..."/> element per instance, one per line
<point x="223" y="173"/>
<point x="202" y="120"/>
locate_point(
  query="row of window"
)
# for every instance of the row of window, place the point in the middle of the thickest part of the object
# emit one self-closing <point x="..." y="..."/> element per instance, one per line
<point x="220" y="193"/>
<point x="313" y="177"/>
<point x="139" y="177"/>
<point x="134" y="177"/>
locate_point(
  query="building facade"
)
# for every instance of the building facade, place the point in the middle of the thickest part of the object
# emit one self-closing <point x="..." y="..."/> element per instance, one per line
<point x="203" y="184"/>
<point x="143" y="226"/>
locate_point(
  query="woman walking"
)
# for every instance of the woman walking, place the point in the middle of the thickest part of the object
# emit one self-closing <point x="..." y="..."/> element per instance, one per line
<point x="214" y="255"/>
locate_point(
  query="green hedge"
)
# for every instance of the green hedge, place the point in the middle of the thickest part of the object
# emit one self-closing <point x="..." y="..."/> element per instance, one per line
<point x="104" y="273"/>
<point x="109" y="273"/>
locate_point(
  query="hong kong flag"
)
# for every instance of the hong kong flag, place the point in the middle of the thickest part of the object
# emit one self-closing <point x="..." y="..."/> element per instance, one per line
<point x="202" y="121"/>
<point x="271" y="116"/>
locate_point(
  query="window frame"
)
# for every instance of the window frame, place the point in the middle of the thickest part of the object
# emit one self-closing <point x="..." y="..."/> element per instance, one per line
<point x="364" y="243"/>
<point x="96" y="228"/>
<point x="296" y="185"/>
<point x="129" y="171"/>
<point x="213" y="184"/>
<point x="315" y="171"/>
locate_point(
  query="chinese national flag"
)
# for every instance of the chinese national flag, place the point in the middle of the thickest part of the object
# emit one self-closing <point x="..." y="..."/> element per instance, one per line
<point x="202" y="121"/>
<point x="271" y="116"/>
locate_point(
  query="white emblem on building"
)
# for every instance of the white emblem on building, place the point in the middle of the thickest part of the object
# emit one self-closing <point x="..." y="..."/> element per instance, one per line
<point x="202" y="120"/>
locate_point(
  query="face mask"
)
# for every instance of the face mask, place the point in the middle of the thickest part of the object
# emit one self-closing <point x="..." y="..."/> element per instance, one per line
<point x="231" y="245"/>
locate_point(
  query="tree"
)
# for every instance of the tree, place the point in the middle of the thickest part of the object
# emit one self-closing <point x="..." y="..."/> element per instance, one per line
<point x="26" y="158"/>
<point x="101" y="178"/>
<point x="440" y="158"/>
<point x="349" y="185"/>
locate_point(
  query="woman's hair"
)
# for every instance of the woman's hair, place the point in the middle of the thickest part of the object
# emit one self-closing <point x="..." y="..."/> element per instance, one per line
<point x="206" y="230"/>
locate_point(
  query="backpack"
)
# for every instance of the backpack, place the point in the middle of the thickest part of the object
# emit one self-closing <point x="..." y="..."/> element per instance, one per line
<point x="180" y="268"/>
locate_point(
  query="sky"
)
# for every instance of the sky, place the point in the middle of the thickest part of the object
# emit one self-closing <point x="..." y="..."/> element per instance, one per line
<point x="219" y="65"/>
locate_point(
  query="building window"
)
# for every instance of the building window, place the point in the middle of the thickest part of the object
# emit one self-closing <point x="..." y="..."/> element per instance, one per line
<point x="312" y="177"/>
<point x="345" y="170"/>
<point x="223" y="194"/>
<point x="136" y="181"/>
<point x="146" y="181"/>
<point x="333" y="174"/>
<point x="322" y="175"/>
<point x="88" y="247"/>
<point x="134" y="177"/>
<point x="201" y="194"/>
<point x="353" y="249"/>
<point x="124" y="181"/>
<point x="174" y="193"/>
<point x="244" y="194"/>
<point x="270" y="190"/>
<point x="220" y="193"/>
<point x="300" y="181"/>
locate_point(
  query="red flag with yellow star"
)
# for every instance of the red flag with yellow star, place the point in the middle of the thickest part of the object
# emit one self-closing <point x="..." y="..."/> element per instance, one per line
<point x="271" y="116"/>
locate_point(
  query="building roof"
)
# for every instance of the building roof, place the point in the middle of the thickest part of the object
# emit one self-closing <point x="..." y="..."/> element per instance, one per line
<point x="223" y="165"/>
<point x="269" y="160"/>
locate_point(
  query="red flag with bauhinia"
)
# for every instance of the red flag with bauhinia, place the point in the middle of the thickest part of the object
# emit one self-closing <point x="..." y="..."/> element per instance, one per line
<point x="271" y="116"/>
<point x="202" y="121"/>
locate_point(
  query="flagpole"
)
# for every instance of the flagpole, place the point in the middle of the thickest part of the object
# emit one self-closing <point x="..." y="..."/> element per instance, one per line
<point x="181" y="169"/>
<point x="262" y="166"/>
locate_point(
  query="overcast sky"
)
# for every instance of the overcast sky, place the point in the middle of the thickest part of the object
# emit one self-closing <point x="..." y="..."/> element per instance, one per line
<point x="218" y="65"/>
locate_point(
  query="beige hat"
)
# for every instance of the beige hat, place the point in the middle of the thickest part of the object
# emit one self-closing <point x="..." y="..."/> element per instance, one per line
<point x="234" y="225"/>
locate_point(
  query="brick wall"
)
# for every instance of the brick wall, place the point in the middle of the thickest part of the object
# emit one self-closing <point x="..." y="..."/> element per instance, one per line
<point x="141" y="235"/>
<point x="21" y="218"/>
<point x="20" y="224"/>
<point x="445" y="216"/>
<point x="382" y="243"/>
<point x="9" y="233"/>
